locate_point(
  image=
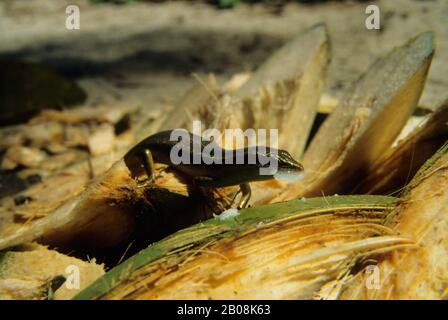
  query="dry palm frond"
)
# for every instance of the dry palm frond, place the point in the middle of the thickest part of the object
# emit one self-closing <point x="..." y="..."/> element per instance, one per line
<point x="421" y="216"/>
<point x="287" y="250"/>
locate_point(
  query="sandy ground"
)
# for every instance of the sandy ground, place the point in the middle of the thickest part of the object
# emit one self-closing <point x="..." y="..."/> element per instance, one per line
<point x="145" y="52"/>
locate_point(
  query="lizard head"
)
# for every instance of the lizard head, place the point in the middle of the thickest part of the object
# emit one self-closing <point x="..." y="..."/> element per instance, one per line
<point x="287" y="162"/>
<point x="279" y="164"/>
<point x="289" y="170"/>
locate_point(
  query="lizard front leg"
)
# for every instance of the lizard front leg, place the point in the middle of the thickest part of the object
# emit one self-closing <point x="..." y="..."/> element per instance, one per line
<point x="148" y="163"/>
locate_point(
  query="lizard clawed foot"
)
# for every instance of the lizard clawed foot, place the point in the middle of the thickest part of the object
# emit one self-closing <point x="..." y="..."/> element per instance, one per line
<point x="144" y="183"/>
<point x="245" y="197"/>
<point x="234" y="198"/>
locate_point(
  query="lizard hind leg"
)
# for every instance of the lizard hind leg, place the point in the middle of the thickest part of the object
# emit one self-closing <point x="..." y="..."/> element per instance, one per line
<point x="235" y="196"/>
<point x="246" y="193"/>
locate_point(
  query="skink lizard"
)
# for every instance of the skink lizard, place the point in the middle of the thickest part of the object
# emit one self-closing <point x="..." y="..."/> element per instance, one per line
<point x="157" y="148"/>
